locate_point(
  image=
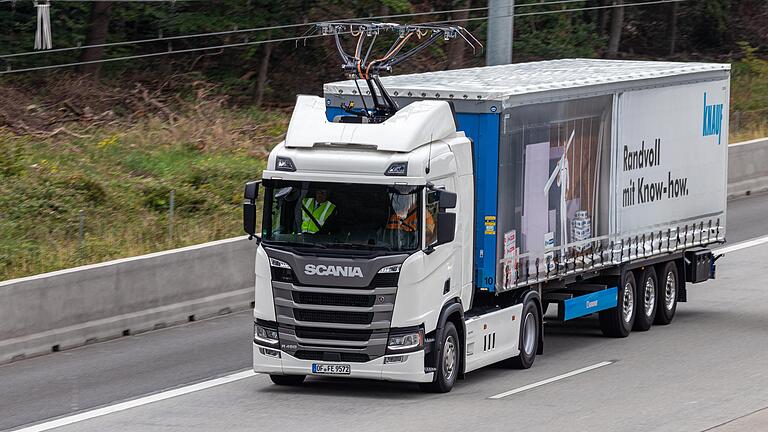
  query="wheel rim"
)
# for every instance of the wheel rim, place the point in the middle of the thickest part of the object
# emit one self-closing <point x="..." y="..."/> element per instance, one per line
<point x="449" y="358"/>
<point x="670" y="291"/>
<point x="628" y="303"/>
<point x="650" y="296"/>
<point x="529" y="333"/>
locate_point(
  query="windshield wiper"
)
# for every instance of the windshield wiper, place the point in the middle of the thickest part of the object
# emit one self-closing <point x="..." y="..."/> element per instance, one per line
<point x="294" y="243"/>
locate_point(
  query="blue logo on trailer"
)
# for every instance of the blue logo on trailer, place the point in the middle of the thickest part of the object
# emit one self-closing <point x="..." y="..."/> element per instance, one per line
<point x="590" y="303"/>
<point x="712" y="120"/>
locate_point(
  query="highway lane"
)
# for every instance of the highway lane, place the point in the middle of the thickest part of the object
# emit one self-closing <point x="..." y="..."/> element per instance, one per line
<point x="704" y="370"/>
<point x="55" y="385"/>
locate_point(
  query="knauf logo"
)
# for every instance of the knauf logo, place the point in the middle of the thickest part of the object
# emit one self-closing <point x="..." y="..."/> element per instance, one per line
<point x="713" y="119"/>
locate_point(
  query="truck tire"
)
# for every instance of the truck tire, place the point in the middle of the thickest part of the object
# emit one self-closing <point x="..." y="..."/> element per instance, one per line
<point x="288" y="380"/>
<point x="647" y="290"/>
<point x="530" y="328"/>
<point x="447" y="362"/>
<point x="666" y="298"/>
<point x="617" y="322"/>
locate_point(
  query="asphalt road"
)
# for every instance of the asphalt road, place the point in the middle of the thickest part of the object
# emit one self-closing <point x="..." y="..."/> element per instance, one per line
<point x="708" y="368"/>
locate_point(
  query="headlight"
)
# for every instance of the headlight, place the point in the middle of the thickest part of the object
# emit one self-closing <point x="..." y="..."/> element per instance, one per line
<point x="406" y="341"/>
<point x="283" y="163"/>
<point x="265" y="335"/>
<point x="391" y="269"/>
<point x="277" y="263"/>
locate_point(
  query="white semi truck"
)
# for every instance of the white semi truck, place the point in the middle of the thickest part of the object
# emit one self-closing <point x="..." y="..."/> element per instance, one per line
<point x="429" y="243"/>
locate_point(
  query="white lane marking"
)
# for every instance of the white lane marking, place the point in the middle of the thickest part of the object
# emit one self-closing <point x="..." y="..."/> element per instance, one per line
<point x="550" y="380"/>
<point x="743" y="245"/>
<point x="122" y="406"/>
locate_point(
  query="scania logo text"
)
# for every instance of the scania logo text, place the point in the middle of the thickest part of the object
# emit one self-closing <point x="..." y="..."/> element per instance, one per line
<point x="332" y="270"/>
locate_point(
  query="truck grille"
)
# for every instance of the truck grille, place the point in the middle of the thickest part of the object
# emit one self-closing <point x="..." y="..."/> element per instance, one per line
<point x="333" y="316"/>
<point x="333" y="334"/>
<point x="332" y="356"/>
<point x="385" y="280"/>
<point x="328" y="322"/>
<point x="333" y="299"/>
<point x="379" y="281"/>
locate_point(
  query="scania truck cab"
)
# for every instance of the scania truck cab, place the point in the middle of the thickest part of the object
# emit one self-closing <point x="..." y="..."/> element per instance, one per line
<point x="427" y="245"/>
<point x="365" y="292"/>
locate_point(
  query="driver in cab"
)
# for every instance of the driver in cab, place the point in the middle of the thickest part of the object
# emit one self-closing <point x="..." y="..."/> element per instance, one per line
<point x="316" y="211"/>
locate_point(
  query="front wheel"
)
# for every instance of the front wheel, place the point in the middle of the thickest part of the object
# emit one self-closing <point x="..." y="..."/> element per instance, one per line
<point x="447" y="362"/>
<point x="530" y="332"/>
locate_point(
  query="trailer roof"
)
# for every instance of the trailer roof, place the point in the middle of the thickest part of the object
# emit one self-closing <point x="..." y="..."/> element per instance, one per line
<point x="500" y="82"/>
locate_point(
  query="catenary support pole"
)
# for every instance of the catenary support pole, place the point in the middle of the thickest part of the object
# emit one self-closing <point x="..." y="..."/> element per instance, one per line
<point x="500" y="32"/>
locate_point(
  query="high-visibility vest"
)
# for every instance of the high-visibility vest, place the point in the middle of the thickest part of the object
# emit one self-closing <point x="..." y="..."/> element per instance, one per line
<point x="410" y="223"/>
<point x="319" y="211"/>
<point x="407" y="224"/>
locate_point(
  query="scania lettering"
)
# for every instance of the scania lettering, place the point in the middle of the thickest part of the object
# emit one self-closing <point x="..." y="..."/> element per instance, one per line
<point x="323" y="270"/>
<point x="472" y="202"/>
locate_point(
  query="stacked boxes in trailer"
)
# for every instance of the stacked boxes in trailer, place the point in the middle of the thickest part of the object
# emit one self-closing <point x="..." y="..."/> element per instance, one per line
<point x="430" y="244"/>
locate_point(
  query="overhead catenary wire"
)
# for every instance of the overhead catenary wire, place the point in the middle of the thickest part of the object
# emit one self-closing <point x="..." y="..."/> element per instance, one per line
<point x="234" y="31"/>
<point x="297" y="38"/>
<point x="266" y="28"/>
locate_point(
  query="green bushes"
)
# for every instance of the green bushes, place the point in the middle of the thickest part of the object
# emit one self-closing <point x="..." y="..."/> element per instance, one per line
<point x="121" y="181"/>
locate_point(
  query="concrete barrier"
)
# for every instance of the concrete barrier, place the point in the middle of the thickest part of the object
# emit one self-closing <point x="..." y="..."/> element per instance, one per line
<point x="68" y="308"/>
<point x="748" y="168"/>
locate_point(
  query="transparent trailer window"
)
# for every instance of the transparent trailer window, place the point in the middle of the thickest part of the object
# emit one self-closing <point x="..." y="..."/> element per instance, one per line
<point x="554" y="174"/>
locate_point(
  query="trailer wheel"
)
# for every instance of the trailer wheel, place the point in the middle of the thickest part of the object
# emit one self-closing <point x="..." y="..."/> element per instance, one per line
<point x="666" y="299"/>
<point x="447" y="362"/>
<point x="288" y="380"/>
<point x="647" y="291"/>
<point x="530" y="329"/>
<point x="617" y="322"/>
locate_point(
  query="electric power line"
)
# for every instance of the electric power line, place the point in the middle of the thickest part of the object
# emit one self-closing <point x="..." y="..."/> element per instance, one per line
<point x="297" y="38"/>
<point x="257" y="29"/>
<point x="156" y="54"/>
<point x="228" y="32"/>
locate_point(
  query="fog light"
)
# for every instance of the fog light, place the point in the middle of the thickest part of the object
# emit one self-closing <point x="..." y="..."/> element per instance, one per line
<point x="269" y="352"/>
<point x="395" y="359"/>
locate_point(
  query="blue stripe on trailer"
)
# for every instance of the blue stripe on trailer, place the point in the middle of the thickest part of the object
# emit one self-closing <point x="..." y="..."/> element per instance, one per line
<point x="483" y="129"/>
<point x="590" y="303"/>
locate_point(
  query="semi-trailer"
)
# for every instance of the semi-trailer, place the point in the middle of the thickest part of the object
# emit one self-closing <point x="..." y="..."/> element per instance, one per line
<point x="430" y="243"/>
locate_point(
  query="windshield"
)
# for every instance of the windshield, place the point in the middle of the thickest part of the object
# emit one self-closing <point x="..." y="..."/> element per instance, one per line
<point x="342" y="215"/>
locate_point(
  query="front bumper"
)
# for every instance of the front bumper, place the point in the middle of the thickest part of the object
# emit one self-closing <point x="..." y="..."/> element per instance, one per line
<point x="411" y="370"/>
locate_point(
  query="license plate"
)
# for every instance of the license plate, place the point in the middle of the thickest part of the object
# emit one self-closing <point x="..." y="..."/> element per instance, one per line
<point x="331" y="369"/>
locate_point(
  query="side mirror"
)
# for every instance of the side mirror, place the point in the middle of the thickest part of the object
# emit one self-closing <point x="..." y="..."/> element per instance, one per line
<point x="446" y="226"/>
<point x="252" y="190"/>
<point x="249" y="208"/>
<point x="447" y="200"/>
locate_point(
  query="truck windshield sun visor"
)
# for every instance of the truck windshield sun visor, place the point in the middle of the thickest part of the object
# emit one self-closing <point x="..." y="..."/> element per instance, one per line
<point x="343" y="216"/>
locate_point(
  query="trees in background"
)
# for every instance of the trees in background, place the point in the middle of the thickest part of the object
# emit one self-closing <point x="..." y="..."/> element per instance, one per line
<point x="695" y="29"/>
